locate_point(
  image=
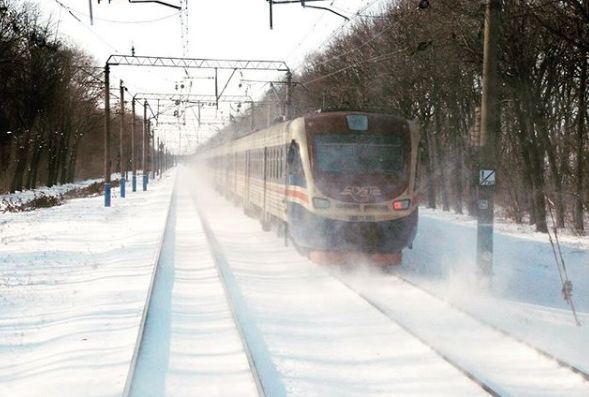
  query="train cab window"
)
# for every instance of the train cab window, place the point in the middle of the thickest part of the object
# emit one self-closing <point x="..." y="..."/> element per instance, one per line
<point x="296" y="174"/>
<point x="359" y="153"/>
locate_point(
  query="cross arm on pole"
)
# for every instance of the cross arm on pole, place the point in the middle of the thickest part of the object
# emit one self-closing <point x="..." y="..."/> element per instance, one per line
<point x="197" y="63"/>
<point x="157" y="2"/>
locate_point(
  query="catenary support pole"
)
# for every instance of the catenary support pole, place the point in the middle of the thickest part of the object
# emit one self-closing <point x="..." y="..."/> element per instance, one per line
<point x="121" y="135"/>
<point x="153" y="158"/>
<point x="148" y="159"/>
<point x="133" y="157"/>
<point x="91" y="12"/>
<point x="107" y="170"/>
<point x="289" y="87"/>
<point x="143" y="146"/>
<point x="490" y="129"/>
<point x="158" y="165"/>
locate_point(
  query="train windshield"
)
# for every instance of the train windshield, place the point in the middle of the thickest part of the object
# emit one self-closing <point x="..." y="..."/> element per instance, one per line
<point x="354" y="153"/>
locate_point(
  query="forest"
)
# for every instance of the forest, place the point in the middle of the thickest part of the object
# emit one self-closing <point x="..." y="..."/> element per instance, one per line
<point x="419" y="62"/>
<point x="426" y="64"/>
<point x="51" y="110"/>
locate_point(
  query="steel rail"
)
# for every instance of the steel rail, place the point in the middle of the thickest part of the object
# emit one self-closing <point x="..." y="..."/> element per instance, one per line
<point x="502" y="331"/>
<point x="141" y="331"/>
<point x="269" y="383"/>
<point x="484" y="385"/>
<point x="477" y="380"/>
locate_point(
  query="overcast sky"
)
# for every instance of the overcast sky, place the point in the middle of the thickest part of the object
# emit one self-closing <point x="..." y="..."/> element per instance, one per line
<point x="226" y="29"/>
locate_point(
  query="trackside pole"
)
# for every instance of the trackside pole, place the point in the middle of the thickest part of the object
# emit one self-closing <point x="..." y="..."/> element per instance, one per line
<point x="106" y="136"/>
<point x="143" y="136"/>
<point x="107" y="194"/>
<point x="122" y="187"/>
<point x="490" y="129"/>
<point x="121" y="161"/>
<point x="133" y="160"/>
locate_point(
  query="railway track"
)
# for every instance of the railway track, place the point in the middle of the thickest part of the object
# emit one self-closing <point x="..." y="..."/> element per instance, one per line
<point x="141" y="332"/>
<point x="266" y="377"/>
<point x="266" y="380"/>
<point x="492" y="384"/>
<point x="562" y="363"/>
<point x="501" y="377"/>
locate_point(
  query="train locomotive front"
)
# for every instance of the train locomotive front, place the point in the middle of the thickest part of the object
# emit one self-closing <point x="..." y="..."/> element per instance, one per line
<point x="351" y="183"/>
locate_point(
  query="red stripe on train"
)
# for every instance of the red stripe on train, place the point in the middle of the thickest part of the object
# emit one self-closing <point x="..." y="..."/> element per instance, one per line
<point x="297" y="194"/>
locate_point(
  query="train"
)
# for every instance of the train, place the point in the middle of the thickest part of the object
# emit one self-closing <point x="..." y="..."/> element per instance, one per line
<point x="340" y="185"/>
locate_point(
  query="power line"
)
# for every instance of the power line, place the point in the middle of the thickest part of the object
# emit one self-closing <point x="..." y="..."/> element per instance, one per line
<point x="69" y="10"/>
<point x="382" y="57"/>
<point x="365" y="43"/>
<point x="342" y="26"/>
<point x="115" y="21"/>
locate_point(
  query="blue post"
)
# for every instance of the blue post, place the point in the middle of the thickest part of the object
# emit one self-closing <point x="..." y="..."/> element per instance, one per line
<point x="122" y="184"/>
<point x="107" y="194"/>
<point x="134" y="182"/>
<point x="144" y="182"/>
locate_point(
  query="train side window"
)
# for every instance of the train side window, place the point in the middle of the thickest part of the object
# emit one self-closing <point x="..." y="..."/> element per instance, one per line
<point x="271" y="163"/>
<point x="275" y="163"/>
<point x="282" y="149"/>
<point x="276" y="166"/>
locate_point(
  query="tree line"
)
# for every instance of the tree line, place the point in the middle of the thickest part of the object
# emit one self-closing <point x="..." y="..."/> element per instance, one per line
<point x="51" y="109"/>
<point x="426" y="64"/>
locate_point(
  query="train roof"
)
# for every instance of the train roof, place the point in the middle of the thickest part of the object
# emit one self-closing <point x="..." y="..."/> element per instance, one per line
<point x="230" y="135"/>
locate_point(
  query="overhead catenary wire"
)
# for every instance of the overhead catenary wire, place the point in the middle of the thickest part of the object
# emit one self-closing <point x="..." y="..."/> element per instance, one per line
<point x="333" y="33"/>
<point x="381" y="57"/>
<point x="357" y="48"/>
<point x="115" y="21"/>
<point x="69" y="10"/>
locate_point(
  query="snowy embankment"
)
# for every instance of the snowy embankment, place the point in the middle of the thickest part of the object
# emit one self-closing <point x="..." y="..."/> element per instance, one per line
<point x="25" y="196"/>
<point x="73" y="283"/>
<point x="524" y="295"/>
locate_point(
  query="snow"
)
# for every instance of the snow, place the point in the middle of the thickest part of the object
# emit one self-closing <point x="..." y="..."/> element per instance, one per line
<point x="324" y="340"/>
<point x="490" y="355"/>
<point x="73" y="280"/>
<point x="524" y="297"/>
<point x="54" y="191"/>
<point x="191" y="346"/>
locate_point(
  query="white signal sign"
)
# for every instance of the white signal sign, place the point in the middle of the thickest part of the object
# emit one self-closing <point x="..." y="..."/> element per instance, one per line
<point x="487" y="177"/>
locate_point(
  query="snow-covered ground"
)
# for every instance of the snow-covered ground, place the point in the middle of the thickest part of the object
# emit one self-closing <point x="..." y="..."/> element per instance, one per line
<point x="296" y="300"/>
<point x="73" y="280"/>
<point x="190" y="346"/>
<point x="524" y="296"/>
<point x="54" y="191"/>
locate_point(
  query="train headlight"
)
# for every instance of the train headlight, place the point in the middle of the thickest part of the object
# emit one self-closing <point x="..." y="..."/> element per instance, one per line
<point x="401" y="205"/>
<point x="321" y="203"/>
